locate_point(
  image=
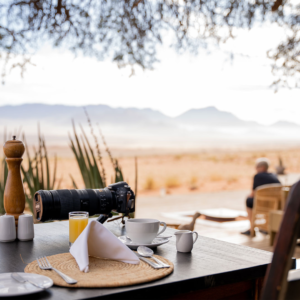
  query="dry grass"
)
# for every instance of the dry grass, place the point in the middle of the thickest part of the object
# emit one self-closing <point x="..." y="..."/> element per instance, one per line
<point x="232" y="179"/>
<point x="216" y="177"/>
<point x="149" y="184"/>
<point x="178" y="157"/>
<point x="193" y="183"/>
<point x="172" y="182"/>
<point x="213" y="158"/>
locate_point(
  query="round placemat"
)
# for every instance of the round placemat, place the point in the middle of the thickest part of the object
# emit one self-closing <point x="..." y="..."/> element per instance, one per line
<point x="102" y="272"/>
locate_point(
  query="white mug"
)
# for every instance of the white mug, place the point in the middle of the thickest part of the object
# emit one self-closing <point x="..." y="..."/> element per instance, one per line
<point x="185" y="241"/>
<point x="143" y="231"/>
<point x="25" y="228"/>
<point x="7" y="228"/>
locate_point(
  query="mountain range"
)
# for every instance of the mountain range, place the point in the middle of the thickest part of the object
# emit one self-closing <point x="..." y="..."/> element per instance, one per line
<point x="104" y="114"/>
<point x="145" y="126"/>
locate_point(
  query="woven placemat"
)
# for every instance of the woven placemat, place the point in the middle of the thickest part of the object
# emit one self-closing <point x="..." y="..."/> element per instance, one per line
<point x="102" y="272"/>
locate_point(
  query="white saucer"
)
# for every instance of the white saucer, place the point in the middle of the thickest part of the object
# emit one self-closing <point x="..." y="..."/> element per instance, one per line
<point x="10" y="287"/>
<point x="155" y="243"/>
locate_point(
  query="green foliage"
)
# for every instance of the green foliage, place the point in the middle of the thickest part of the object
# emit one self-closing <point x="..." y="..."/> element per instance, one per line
<point x="118" y="172"/>
<point x="115" y="163"/>
<point x="129" y="32"/>
<point x="37" y="176"/>
<point x="92" y="175"/>
<point x="3" y="177"/>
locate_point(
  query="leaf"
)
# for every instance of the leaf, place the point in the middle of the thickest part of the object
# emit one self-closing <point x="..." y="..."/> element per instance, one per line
<point x="35" y="176"/>
<point x="73" y="182"/>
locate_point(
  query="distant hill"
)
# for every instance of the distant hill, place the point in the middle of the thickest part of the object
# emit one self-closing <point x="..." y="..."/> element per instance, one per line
<point x="211" y="116"/>
<point x="62" y="114"/>
<point x="133" y="127"/>
<point x="285" y="124"/>
<point x="104" y="114"/>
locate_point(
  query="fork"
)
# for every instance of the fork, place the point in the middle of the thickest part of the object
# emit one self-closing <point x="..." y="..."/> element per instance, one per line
<point x="45" y="265"/>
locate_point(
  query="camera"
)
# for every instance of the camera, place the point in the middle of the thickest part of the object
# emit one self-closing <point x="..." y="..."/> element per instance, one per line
<point x="56" y="204"/>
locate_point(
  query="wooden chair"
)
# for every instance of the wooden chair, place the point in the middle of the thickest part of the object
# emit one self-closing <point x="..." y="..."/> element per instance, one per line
<point x="267" y="198"/>
<point x="284" y="195"/>
<point x="276" y="216"/>
<point x="279" y="283"/>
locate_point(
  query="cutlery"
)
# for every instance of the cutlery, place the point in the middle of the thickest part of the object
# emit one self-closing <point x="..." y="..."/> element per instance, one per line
<point x="160" y="237"/>
<point x="45" y="265"/>
<point x="147" y="252"/>
<point x="20" y="279"/>
<point x="149" y="262"/>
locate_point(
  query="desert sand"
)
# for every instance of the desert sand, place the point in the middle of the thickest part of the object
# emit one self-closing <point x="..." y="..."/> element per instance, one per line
<point x="180" y="172"/>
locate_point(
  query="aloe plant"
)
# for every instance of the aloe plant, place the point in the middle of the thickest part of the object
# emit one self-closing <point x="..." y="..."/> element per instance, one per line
<point x="115" y="163"/>
<point x="90" y="162"/>
<point x="37" y="176"/>
<point x="3" y="177"/>
<point x="91" y="173"/>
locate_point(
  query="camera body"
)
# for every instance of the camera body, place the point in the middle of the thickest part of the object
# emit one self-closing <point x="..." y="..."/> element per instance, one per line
<point x="56" y="204"/>
<point x="125" y="198"/>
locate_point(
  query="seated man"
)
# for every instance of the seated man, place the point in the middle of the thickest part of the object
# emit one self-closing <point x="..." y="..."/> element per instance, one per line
<point x="262" y="177"/>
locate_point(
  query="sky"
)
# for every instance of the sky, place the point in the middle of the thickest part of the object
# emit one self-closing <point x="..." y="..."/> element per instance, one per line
<point x="178" y="83"/>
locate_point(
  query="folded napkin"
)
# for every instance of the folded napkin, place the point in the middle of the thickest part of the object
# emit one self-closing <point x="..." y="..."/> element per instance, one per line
<point x="95" y="240"/>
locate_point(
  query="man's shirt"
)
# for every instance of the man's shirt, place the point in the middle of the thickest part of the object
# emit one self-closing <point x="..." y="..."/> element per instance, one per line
<point x="264" y="178"/>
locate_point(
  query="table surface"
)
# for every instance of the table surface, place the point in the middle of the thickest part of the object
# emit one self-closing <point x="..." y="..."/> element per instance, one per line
<point x="210" y="264"/>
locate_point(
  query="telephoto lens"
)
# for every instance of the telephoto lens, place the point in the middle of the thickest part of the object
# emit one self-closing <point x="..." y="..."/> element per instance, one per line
<point x="56" y="204"/>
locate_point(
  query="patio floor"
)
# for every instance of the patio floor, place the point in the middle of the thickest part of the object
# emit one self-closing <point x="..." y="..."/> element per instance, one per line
<point x="165" y="209"/>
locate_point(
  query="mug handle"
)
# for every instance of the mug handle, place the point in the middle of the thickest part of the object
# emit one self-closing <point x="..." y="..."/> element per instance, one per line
<point x="165" y="227"/>
<point x="196" y="233"/>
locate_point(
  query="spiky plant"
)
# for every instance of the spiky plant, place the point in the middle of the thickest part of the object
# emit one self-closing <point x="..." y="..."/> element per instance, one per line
<point x="92" y="175"/>
<point x="114" y="161"/>
<point x="37" y="175"/>
<point x="90" y="162"/>
<point x="3" y="177"/>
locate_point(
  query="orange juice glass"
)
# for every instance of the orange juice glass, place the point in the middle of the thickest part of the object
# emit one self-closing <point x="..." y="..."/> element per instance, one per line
<point x="78" y="220"/>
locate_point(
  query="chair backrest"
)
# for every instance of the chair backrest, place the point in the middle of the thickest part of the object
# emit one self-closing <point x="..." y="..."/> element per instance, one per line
<point x="275" y="285"/>
<point x="284" y="195"/>
<point x="268" y="196"/>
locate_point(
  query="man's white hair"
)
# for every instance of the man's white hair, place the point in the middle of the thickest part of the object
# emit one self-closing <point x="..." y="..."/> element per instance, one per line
<point x="263" y="162"/>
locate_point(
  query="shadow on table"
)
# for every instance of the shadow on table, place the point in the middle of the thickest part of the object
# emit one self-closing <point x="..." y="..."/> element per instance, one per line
<point x="41" y="295"/>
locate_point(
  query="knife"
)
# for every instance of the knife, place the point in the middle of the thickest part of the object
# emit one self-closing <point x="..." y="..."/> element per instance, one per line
<point x="21" y="279"/>
<point x="149" y="262"/>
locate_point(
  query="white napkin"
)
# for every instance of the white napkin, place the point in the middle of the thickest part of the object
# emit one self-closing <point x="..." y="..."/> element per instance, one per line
<point x="95" y="240"/>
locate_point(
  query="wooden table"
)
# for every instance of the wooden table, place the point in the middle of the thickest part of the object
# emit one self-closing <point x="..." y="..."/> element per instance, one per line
<point x="214" y="270"/>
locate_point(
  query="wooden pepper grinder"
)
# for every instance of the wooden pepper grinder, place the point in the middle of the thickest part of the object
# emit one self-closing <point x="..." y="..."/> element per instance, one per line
<point x="14" y="196"/>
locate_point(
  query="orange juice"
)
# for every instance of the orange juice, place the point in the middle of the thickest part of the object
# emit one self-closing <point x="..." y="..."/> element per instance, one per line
<point x="77" y="223"/>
